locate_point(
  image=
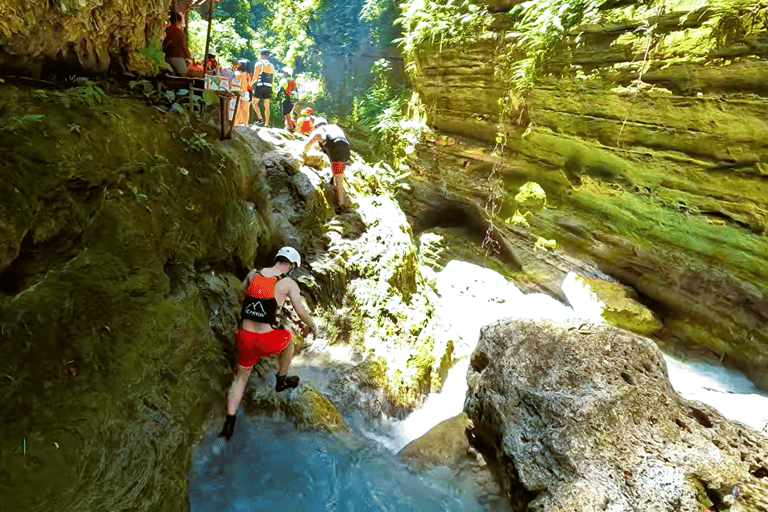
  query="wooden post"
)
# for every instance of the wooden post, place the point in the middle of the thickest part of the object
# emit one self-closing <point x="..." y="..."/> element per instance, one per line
<point x="208" y="38"/>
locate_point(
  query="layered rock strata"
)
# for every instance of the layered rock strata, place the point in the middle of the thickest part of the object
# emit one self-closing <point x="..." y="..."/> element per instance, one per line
<point x="646" y="129"/>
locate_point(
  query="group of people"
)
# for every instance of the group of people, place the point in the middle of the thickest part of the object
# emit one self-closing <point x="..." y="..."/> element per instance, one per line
<point x="265" y="291"/>
<point x="255" y="87"/>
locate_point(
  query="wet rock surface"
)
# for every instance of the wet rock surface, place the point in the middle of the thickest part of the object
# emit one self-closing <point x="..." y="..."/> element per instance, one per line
<point x="582" y="417"/>
<point x="445" y="443"/>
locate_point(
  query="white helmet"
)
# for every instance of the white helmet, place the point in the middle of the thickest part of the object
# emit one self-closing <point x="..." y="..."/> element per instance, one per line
<point x="290" y="254"/>
<point x="320" y="121"/>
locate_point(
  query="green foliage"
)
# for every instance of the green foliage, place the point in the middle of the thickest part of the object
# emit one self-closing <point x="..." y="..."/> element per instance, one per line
<point x="226" y="43"/>
<point x="88" y="91"/>
<point x="12" y="124"/>
<point x="242" y="28"/>
<point x="179" y="100"/>
<point x="392" y="116"/>
<point x="154" y="52"/>
<point x="443" y="23"/>
<point x="284" y="30"/>
<point x="539" y="26"/>
<point x="197" y="142"/>
<point x="375" y="9"/>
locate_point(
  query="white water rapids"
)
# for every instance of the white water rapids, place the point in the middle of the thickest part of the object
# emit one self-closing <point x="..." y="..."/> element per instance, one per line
<point x="479" y="296"/>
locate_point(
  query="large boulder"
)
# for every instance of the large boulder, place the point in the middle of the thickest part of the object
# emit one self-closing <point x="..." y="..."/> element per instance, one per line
<point x="306" y="407"/>
<point x="583" y="417"/>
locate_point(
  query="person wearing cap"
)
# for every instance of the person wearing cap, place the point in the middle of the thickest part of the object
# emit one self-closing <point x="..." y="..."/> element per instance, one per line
<point x="289" y="91"/>
<point x="266" y="291"/>
<point x="263" y="72"/>
<point x="306" y="123"/>
<point x="334" y="143"/>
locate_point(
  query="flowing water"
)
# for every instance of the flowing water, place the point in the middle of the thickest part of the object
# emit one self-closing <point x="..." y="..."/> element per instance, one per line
<point x="269" y="465"/>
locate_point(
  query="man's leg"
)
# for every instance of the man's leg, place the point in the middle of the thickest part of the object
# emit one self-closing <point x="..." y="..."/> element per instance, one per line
<point x="233" y="401"/>
<point x="282" y="381"/>
<point x="255" y="105"/>
<point x="237" y="389"/>
<point x="337" y="168"/>
<point x="285" y="359"/>
<point x="266" y="111"/>
<point x="339" y="180"/>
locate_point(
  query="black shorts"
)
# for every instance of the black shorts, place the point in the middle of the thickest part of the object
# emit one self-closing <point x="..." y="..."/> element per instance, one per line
<point x="337" y="150"/>
<point x="287" y="106"/>
<point x="262" y="91"/>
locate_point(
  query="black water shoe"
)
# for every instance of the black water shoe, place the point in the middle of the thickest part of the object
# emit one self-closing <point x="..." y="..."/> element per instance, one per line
<point x="229" y="427"/>
<point x="284" y="382"/>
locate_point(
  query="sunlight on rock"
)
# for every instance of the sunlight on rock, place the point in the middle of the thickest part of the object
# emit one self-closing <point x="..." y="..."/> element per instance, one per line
<point x="610" y="302"/>
<point x="583" y="300"/>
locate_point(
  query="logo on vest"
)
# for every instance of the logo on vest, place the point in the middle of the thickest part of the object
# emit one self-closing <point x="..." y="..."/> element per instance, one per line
<point x="255" y="309"/>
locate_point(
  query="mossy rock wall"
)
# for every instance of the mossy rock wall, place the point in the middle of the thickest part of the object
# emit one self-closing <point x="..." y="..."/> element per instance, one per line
<point x="67" y="36"/>
<point x="125" y="232"/>
<point x="661" y="183"/>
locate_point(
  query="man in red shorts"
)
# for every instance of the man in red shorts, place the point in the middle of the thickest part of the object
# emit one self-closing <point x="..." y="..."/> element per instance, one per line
<point x="334" y="143"/>
<point x="265" y="293"/>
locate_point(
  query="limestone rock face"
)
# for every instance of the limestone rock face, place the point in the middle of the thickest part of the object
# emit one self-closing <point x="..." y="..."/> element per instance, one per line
<point x="584" y="418"/>
<point x="365" y="278"/>
<point x="444" y="444"/>
<point x="120" y="248"/>
<point x="86" y="35"/>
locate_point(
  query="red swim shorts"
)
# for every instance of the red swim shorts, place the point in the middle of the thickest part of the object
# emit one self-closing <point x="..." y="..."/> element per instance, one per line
<point x="250" y="346"/>
<point x="337" y="168"/>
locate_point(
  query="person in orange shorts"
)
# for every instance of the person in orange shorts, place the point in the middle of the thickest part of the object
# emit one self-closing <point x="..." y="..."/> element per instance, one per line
<point x="266" y="291"/>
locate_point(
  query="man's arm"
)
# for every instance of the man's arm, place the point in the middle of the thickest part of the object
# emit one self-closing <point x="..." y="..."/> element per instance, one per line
<point x="298" y="304"/>
<point x="317" y="138"/>
<point x="247" y="281"/>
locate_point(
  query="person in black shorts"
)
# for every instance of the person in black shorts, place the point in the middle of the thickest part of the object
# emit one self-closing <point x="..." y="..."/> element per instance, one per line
<point x="263" y="74"/>
<point x="289" y="91"/>
<point x="334" y="143"/>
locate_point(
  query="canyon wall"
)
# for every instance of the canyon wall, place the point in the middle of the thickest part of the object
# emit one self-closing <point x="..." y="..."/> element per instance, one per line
<point x="646" y="128"/>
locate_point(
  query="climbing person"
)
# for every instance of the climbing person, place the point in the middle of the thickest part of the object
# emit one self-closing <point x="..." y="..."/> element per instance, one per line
<point x="266" y="291"/>
<point x="334" y="143"/>
<point x="306" y="123"/>
<point x="175" y="45"/>
<point x="263" y="73"/>
<point x="289" y="91"/>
